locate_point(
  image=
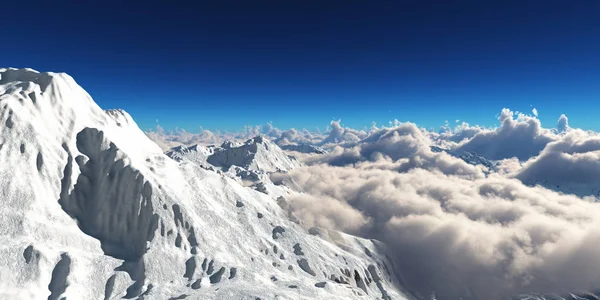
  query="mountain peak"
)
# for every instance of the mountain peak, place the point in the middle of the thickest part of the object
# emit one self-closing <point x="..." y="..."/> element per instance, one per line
<point x="91" y="208"/>
<point x="255" y="154"/>
<point x="27" y="75"/>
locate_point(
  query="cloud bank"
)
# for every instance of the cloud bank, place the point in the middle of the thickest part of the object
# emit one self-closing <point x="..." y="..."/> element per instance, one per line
<point x="456" y="229"/>
<point x="459" y="235"/>
<point x="169" y="139"/>
<point x="521" y="137"/>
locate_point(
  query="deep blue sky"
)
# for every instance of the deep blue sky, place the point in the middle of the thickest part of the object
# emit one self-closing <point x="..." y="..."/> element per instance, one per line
<point x="226" y="64"/>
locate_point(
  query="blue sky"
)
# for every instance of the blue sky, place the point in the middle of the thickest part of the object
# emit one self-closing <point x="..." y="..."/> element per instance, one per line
<point x="226" y="64"/>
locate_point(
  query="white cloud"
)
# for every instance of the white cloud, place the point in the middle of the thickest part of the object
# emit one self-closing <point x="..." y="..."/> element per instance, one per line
<point x="460" y="133"/>
<point x="453" y="228"/>
<point x="293" y="136"/>
<point x="570" y="164"/>
<point x="522" y="137"/>
<point x="492" y="236"/>
<point x="167" y="140"/>
<point x="535" y="112"/>
<point x="563" y="124"/>
<point x="342" y="135"/>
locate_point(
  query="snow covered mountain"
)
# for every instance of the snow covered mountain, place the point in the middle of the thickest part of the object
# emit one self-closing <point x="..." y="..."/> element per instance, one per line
<point x="92" y="209"/>
<point x="249" y="163"/>
<point x="256" y="154"/>
<point x="197" y="154"/>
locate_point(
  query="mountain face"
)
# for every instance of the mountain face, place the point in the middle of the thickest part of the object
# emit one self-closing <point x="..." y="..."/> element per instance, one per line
<point x="249" y="163"/>
<point x="196" y="154"/>
<point x="256" y="154"/>
<point x="92" y="209"/>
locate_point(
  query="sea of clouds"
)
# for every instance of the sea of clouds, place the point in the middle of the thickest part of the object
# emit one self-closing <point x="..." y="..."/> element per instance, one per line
<point x="530" y="225"/>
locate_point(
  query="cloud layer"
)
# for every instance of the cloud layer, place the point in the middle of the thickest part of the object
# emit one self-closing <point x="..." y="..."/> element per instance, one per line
<point x="457" y="229"/>
<point x="455" y="235"/>
<point x="522" y="137"/>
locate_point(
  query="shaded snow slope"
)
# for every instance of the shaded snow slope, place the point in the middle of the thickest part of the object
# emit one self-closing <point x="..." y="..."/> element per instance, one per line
<point x="257" y="154"/>
<point x="197" y="154"/>
<point x="92" y="209"/>
<point x="249" y="163"/>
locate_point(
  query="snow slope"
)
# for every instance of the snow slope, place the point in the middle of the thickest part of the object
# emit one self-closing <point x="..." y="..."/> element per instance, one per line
<point x="256" y="154"/>
<point x="197" y="154"/>
<point x="92" y="209"/>
<point x="249" y="163"/>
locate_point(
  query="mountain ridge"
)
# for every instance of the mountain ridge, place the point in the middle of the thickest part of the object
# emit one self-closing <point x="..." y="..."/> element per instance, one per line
<point x="92" y="208"/>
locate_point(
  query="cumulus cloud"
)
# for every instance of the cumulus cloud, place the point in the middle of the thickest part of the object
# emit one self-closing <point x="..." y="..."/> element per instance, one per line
<point x="169" y="139"/>
<point x="492" y="143"/>
<point x="397" y="142"/>
<point x="522" y="137"/>
<point x="535" y="112"/>
<point x="455" y="235"/>
<point x="337" y="156"/>
<point x="166" y="140"/>
<point x="443" y="162"/>
<point x="342" y="135"/>
<point x="334" y="214"/>
<point x="508" y="166"/>
<point x="459" y="133"/>
<point x="570" y="164"/>
<point x="454" y="229"/>
<point x="296" y="137"/>
<point x="563" y="124"/>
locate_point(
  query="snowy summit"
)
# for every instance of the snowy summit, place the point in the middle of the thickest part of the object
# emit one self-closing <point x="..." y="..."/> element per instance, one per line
<point x="92" y="209"/>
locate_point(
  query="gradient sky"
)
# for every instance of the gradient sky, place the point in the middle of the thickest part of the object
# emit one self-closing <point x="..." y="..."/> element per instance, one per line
<point x="226" y="64"/>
